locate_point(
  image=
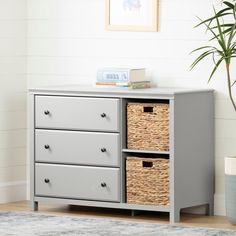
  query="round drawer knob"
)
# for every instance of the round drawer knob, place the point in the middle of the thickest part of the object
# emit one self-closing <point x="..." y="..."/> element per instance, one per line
<point x="103" y="185"/>
<point x="46" y="112"/>
<point x="103" y="149"/>
<point x="103" y="115"/>
<point x="46" y="146"/>
<point x="46" y="181"/>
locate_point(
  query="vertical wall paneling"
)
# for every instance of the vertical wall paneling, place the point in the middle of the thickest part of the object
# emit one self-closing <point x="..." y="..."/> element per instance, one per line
<point x="13" y="87"/>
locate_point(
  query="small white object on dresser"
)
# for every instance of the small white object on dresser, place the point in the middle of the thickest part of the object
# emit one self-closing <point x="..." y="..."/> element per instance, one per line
<point x="78" y="146"/>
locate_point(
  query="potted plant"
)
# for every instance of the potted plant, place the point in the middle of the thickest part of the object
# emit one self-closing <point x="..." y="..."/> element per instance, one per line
<point x="222" y="48"/>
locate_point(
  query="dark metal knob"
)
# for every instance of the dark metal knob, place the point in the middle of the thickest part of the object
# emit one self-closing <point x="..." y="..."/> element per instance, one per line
<point x="46" y="181"/>
<point x="103" y="115"/>
<point x="103" y="185"/>
<point x="46" y="146"/>
<point x="103" y="149"/>
<point x="46" y="112"/>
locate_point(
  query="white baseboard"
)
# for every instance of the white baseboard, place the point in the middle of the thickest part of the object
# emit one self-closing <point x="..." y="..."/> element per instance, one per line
<point x="28" y="191"/>
<point x="219" y="206"/>
<point x="13" y="191"/>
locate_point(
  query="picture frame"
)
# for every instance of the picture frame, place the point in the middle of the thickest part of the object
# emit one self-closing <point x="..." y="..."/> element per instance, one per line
<point x="131" y="15"/>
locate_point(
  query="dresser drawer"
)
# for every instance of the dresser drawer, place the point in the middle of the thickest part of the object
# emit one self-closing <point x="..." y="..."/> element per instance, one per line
<point x="77" y="113"/>
<point x="73" y="147"/>
<point x="88" y="183"/>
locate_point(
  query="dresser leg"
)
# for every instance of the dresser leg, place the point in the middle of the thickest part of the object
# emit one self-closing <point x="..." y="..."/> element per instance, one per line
<point x="174" y="216"/>
<point x="135" y="213"/>
<point x="210" y="209"/>
<point x="34" y="206"/>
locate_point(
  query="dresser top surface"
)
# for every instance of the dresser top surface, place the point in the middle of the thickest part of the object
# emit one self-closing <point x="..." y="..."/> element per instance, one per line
<point x="114" y="91"/>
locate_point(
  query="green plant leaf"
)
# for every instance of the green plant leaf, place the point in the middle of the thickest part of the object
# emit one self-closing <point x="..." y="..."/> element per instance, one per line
<point x="215" y="68"/>
<point x="213" y="58"/>
<point x="233" y="45"/>
<point x="213" y="18"/>
<point x="224" y="25"/>
<point x="233" y="83"/>
<point x="199" y="58"/>
<point x="233" y="10"/>
<point x="225" y="32"/>
<point x="231" y="35"/>
<point x="218" y="37"/>
<point x="221" y="35"/>
<point x="229" y="4"/>
<point x="197" y="49"/>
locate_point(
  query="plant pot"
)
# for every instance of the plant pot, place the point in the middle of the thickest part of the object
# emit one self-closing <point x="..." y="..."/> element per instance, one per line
<point x="230" y="188"/>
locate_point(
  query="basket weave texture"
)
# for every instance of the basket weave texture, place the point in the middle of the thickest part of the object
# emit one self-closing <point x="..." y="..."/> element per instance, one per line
<point x="148" y="129"/>
<point x="147" y="185"/>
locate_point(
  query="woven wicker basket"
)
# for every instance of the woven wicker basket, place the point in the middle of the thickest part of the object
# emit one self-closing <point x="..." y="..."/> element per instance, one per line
<point x="147" y="181"/>
<point x="148" y="126"/>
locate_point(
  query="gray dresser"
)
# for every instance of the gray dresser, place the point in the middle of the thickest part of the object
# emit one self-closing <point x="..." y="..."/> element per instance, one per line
<point x="78" y="146"/>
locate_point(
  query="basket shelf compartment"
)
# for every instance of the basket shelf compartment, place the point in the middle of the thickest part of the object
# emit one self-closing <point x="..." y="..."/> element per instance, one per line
<point x="148" y="126"/>
<point x="147" y="181"/>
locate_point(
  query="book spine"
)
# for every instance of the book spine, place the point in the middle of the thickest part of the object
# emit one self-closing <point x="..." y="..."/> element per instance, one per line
<point x="113" y="84"/>
<point x="139" y="85"/>
<point x="106" y="83"/>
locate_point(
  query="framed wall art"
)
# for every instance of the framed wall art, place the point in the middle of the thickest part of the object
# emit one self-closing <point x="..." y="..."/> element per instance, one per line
<point x="132" y="15"/>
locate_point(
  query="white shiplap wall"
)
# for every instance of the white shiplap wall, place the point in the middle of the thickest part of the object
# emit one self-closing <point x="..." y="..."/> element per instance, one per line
<point x="67" y="43"/>
<point x="13" y="86"/>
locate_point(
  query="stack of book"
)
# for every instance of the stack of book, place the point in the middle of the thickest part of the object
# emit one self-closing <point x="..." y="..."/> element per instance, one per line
<point x="123" y="77"/>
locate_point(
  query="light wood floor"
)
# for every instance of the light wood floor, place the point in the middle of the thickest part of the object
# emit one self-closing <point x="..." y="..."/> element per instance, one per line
<point x="186" y="219"/>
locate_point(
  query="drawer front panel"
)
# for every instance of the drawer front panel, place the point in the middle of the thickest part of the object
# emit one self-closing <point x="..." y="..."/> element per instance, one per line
<point x="88" y="183"/>
<point x="73" y="147"/>
<point x="77" y="113"/>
